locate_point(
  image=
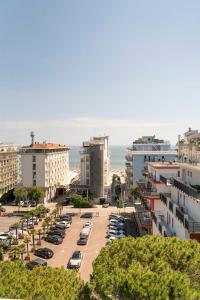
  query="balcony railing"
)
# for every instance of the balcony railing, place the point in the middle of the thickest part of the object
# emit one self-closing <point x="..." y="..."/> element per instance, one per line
<point x="190" y="191"/>
<point x="163" y="179"/>
<point x="171" y="206"/>
<point x="180" y="215"/>
<point x="163" y="198"/>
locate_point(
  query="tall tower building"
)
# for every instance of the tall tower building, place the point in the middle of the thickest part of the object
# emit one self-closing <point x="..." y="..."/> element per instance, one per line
<point x="95" y="164"/>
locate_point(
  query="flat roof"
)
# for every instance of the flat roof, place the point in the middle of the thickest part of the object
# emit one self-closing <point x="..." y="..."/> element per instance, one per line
<point x="164" y="165"/>
<point x="45" y="146"/>
<point x="166" y="152"/>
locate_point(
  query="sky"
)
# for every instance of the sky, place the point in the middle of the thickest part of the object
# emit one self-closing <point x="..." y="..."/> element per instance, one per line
<point x="70" y="70"/>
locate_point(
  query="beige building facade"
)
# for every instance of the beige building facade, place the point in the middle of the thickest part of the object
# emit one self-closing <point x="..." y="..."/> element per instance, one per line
<point x="9" y="164"/>
<point x="45" y="165"/>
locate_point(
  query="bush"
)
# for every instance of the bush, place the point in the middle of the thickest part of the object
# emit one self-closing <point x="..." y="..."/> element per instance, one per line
<point x="81" y="202"/>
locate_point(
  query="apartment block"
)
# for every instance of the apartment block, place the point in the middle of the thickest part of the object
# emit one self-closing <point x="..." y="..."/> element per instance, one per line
<point x="94" y="165"/>
<point x="9" y="167"/>
<point x="45" y="165"/>
<point x="144" y="150"/>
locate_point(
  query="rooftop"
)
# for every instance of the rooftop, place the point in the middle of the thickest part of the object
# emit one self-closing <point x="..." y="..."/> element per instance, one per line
<point x="45" y="146"/>
<point x="164" y="165"/>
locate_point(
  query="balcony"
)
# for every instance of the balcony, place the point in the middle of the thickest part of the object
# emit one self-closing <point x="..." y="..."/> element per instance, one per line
<point x="163" y="198"/>
<point x="163" y="227"/>
<point x="165" y="180"/>
<point x="187" y="189"/>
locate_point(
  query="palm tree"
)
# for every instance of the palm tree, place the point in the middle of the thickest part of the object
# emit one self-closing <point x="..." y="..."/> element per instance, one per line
<point x="32" y="232"/>
<point x="48" y="221"/>
<point x="22" y="221"/>
<point x="22" y="250"/>
<point x="14" y="252"/>
<point x="27" y="241"/>
<point x="39" y="232"/>
<point x="60" y="208"/>
<point x="16" y="226"/>
<point x="10" y="239"/>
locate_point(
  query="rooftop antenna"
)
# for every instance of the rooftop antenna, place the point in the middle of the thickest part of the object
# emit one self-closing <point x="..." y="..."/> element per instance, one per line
<point x="32" y="137"/>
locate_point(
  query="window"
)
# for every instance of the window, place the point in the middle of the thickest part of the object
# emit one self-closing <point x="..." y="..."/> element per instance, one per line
<point x="33" y="158"/>
<point x="34" y="182"/>
<point x="34" y="166"/>
<point x="172" y="223"/>
<point x="190" y="174"/>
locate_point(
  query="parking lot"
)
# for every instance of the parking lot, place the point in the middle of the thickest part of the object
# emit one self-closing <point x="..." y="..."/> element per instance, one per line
<point x="96" y="241"/>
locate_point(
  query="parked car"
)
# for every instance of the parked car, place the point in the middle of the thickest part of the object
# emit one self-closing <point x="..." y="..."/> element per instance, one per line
<point x="75" y="260"/>
<point x="87" y="215"/>
<point x="2" y="209"/>
<point x="33" y="203"/>
<point x="119" y="235"/>
<point x="117" y="217"/>
<point x="65" y="219"/>
<point x="13" y="203"/>
<point x="60" y="227"/>
<point x="65" y="224"/>
<point x="66" y="216"/>
<point x="116" y="232"/>
<point x="26" y="203"/>
<point x="36" y="262"/>
<point x="82" y="240"/>
<point x="56" y="227"/>
<point x="57" y="232"/>
<point x="54" y="239"/>
<point x="87" y="225"/>
<point x="85" y="232"/>
<point x="44" y="253"/>
<point x="117" y="228"/>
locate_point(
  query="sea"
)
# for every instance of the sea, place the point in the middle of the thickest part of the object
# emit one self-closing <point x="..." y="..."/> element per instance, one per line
<point x="117" y="157"/>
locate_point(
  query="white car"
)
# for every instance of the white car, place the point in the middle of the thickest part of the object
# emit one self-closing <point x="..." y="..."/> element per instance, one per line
<point x="116" y="223"/>
<point x="121" y="235"/>
<point x="64" y="224"/>
<point x="117" y="232"/>
<point x="85" y="232"/>
<point x="87" y="225"/>
<point x="75" y="260"/>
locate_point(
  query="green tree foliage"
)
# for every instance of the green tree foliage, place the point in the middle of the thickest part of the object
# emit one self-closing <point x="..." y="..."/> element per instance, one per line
<point x="1" y="253"/>
<point x="7" y="197"/>
<point x="135" y="192"/>
<point x="36" y="193"/>
<point x="81" y="202"/>
<point x="150" y="267"/>
<point x="20" y="194"/>
<point x="17" y="282"/>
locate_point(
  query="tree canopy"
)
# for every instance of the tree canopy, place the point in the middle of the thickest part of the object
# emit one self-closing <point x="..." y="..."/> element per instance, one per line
<point x="150" y="267"/>
<point x="35" y="193"/>
<point x="18" y="282"/>
<point x="80" y="201"/>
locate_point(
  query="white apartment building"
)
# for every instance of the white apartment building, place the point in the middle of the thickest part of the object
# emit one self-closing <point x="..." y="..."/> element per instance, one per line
<point x="8" y="167"/>
<point x="144" y="150"/>
<point x="45" y="165"/>
<point x="189" y="147"/>
<point x="177" y="212"/>
<point x="95" y="165"/>
<point x="157" y="180"/>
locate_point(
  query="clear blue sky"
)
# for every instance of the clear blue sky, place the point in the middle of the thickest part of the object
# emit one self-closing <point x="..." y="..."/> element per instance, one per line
<point x="72" y="69"/>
